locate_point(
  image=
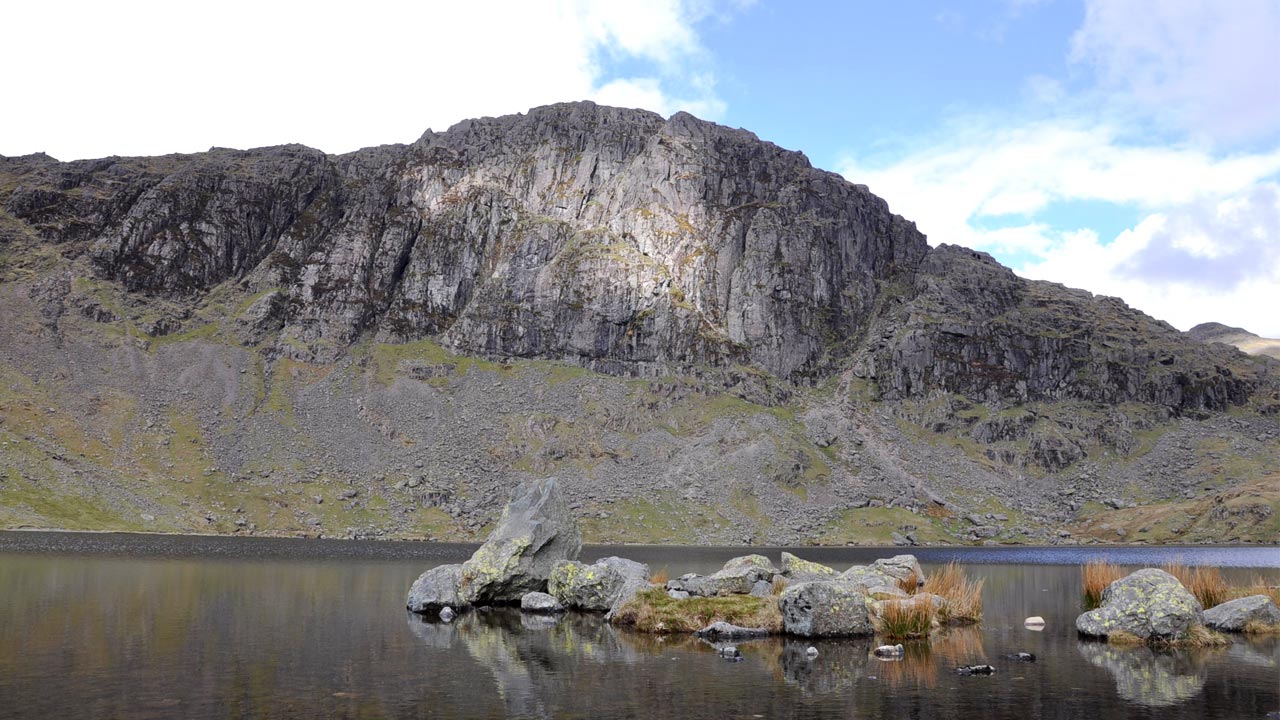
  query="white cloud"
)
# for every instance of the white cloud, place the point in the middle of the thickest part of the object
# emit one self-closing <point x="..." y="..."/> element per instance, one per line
<point x="1208" y="66"/>
<point x="142" y="77"/>
<point x="1207" y="248"/>
<point x="1213" y="260"/>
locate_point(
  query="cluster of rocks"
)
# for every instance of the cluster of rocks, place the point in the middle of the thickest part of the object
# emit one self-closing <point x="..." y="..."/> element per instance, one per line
<point x="530" y="560"/>
<point x="1153" y="606"/>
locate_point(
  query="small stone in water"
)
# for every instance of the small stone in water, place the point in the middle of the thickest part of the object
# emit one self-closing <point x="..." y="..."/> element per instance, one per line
<point x="447" y="614"/>
<point x="811" y="652"/>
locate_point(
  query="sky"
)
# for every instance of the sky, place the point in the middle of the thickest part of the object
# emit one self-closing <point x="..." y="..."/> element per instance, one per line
<point x="1127" y="147"/>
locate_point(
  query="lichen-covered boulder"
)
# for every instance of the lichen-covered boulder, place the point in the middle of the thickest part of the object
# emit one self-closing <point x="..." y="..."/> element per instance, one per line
<point x="824" y="609"/>
<point x="585" y="587"/>
<point x="901" y="568"/>
<point x="536" y="532"/>
<point x="805" y="570"/>
<point x="1232" y="616"/>
<point x="605" y="585"/>
<point x="1149" y="604"/>
<point x="437" y="588"/>
<point x="540" y="602"/>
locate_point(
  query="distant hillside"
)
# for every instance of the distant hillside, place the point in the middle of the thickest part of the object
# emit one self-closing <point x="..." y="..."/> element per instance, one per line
<point x="705" y="338"/>
<point x="1248" y="342"/>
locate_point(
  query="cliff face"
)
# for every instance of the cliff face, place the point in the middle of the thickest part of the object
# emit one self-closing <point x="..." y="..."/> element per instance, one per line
<point x="608" y="239"/>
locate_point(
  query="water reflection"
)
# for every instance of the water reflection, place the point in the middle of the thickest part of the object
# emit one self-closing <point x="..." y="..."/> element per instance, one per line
<point x="1149" y="677"/>
<point x="123" y="637"/>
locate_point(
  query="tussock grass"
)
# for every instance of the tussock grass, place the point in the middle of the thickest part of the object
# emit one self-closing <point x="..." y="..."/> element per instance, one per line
<point x="1095" y="576"/>
<point x="1127" y="639"/>
<point x="778" y="585"/>
<point x="910" y="584"/>
<point x="654" y="611"/>
<point x="660" y="578"/>
<point x="1257" y="627"/>
<point x="963" y="594"/>
<point x="1205" y="583"/>
<point x="1198" y="636"/>
<point x="1257" y="587"/>
<point x="903" y="620"/>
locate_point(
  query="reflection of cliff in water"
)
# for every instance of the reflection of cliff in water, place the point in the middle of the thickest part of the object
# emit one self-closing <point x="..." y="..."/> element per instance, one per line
<point x="1147" y="677"/>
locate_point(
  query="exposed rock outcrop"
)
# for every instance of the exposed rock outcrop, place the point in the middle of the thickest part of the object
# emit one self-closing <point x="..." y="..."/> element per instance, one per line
<point x="1148" y="604"/>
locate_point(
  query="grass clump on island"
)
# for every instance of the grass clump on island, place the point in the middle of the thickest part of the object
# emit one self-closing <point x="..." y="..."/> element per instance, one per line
<point x="1205" y="583"/>
<point x="916" y="617"/>
<point x="904" y="620"/>
<point x="1095" y="577"/>
<point x="962" y="593"/>
<point x="653" y="611"/>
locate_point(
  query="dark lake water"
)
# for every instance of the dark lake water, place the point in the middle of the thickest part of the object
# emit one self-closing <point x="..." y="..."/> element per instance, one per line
<point x="118" y="626"/>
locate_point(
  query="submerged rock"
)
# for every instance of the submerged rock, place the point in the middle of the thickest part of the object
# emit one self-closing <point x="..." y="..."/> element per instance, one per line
<point x="1233" y="615"/>
<point x="890" y="651"/>
<point x="1148" y="604"/>
<point x="536" y="532"/>
<point x="824" y="609"/>
<point x="976" y="670"/>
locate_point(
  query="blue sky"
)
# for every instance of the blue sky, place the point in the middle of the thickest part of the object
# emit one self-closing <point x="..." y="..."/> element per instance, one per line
<point x="1129" y="147"/>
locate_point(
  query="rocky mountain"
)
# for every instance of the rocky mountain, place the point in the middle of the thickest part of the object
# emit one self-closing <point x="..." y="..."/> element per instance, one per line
<point x="703" y="336"/>
<point x="1248" y="342"/>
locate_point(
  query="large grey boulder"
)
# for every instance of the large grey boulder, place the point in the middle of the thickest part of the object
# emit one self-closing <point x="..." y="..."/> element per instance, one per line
<point x="438" y="588"/>
<point x="865" y="576"/>
<point x="536" y="532"/>
<point x="585" y="587"/>
<point x="901" y="568"/>
<point x="824" y="609"/>
<point x="1149" y="604"/>
<point x="635" y="577"/>
<point x="804" y="570"/>
<point x="1233" y="615"/>
<point x="737" y="577"/>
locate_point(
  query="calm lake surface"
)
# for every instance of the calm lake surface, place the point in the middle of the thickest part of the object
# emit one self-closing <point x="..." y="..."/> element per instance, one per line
<point x="121" y="626"/>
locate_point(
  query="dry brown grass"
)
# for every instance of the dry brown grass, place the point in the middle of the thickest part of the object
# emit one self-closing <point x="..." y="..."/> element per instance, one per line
<point x="1095" y="577"/>
<point x="778" y="585"/>
<point x="1199" y="636"/>
<point x="910" y="584"/>
<point x="659" y="578"/>
<point x="1205" y="583"/>
<point x="903" y="620"/>
<point x="1257" y="627"/>
<point x="963" y="595"/>
<point x="1257" y="587"/>
<point x="654" y="611"/>
<point x="1121" y="637"/>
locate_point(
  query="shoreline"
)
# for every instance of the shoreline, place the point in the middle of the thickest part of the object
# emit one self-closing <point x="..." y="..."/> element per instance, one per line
<point x="218" y="546"/>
